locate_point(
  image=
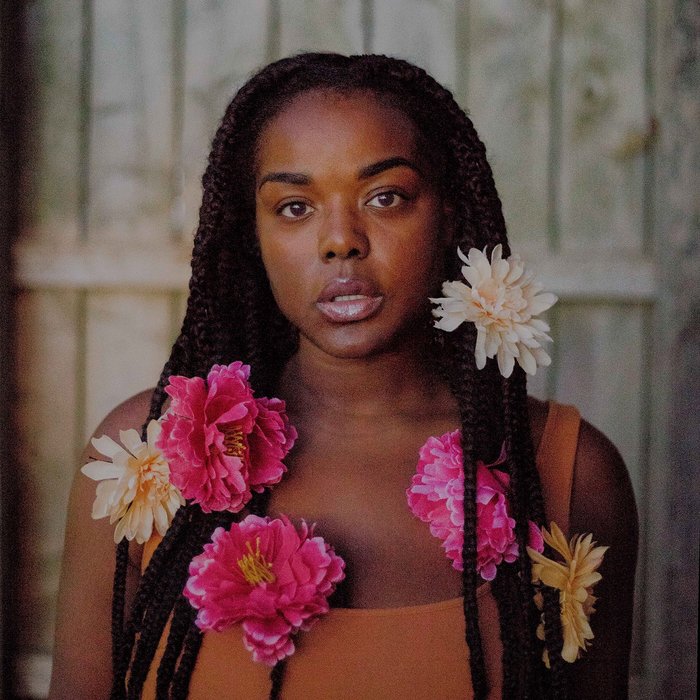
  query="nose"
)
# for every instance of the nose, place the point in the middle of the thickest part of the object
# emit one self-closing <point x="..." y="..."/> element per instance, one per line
<point x="342" y="235"/>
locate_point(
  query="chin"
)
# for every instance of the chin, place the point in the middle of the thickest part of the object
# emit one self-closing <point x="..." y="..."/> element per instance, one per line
<point x="349" y="349"/>
<point x="360" y="341"/>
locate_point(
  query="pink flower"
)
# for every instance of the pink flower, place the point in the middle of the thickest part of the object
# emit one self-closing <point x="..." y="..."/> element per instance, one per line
<point x="437" y="489"/>
<point x="220" y="441"/>
<point x="436" y="496"/>
<point x="269" y="443"/>
<point x="267" y="576"/>
<point x="535" y="539"/>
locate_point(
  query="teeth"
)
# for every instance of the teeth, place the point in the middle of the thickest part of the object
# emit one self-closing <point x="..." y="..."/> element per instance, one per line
<point x="349" y="297"/>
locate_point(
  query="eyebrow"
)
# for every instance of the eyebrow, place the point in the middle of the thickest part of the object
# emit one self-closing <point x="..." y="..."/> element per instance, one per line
<point x="368" y="171"/>
<point x="388" y="164"/>
<point x="286" y="178"/>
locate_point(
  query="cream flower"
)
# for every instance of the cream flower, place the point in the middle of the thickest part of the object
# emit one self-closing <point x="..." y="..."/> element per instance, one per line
<point x="574" y="578"/>
<point x="134" y="487"/>
<point x="501" y="300"/>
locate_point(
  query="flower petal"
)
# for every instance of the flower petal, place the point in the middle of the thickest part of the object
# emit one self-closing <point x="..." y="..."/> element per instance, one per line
<point x="502" y="299"/>
<point x="98" y="470"/>
<point x="266" y="575"/>
<point x="106" y="446"/>
<point x="574" y="578"/>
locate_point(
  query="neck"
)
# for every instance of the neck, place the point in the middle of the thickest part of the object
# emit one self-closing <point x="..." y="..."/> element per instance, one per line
<point x="394" y="382"/>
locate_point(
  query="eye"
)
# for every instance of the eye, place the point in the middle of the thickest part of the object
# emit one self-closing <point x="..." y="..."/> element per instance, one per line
<point x="295" y="210"/>
<point x="386" y="200"/>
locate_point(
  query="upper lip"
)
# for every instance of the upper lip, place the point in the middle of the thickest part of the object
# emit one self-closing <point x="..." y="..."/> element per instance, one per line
<point x="345" y="286"/>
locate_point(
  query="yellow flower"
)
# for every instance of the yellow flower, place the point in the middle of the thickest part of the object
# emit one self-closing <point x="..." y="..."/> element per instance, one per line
<point x="574" y="578"/>
<point x="134" y="487"/>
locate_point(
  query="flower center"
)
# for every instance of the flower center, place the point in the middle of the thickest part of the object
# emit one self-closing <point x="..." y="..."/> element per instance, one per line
<point x="489" y="290"/>
<point x="254" y="567"/>
<point x="150" y="472"/>
<point x="233" y="441"/>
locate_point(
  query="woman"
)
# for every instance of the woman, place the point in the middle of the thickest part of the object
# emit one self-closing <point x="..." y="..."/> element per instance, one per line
<point x="337" y="194"/>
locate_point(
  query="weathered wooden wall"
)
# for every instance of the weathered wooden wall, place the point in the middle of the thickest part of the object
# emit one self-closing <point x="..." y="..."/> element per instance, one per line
<point x="564" y="92"/>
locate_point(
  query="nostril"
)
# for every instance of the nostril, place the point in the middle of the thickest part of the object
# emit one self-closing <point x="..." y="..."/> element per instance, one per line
<point x="330" y="255"/>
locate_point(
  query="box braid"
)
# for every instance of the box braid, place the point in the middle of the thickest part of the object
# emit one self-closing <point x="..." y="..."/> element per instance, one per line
<point x="231" y="315"/>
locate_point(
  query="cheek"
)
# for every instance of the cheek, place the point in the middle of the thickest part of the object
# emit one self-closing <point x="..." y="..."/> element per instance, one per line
<point x="419" y="258"/>
<point x="285" y="274"/>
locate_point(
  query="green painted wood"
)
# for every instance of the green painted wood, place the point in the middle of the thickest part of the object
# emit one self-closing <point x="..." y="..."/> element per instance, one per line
<point x="543" y="384"/>
<point x="600" y="369"/>
<point x="422" y="31"/>
<point x="128" y="342"/>
<point x="55" y="44"/>
<point x="320" y="25"/>
<point x="508" y="97"/>
<point x="604" y="122"/>
<point x="225" y="42"/>
<point x="673" y="485"/>
<point x="131" y="140"/>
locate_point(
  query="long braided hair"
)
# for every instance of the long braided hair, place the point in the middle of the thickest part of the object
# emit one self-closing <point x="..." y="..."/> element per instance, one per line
<point x="230" y="303"/>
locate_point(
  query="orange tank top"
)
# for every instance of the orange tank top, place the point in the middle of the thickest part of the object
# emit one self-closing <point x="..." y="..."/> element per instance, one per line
<point x="416" y="652"/>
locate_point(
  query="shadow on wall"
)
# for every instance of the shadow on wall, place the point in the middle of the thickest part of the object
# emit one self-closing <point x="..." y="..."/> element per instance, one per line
<point x="12" y="104"/>
<point x="684" y="448"/>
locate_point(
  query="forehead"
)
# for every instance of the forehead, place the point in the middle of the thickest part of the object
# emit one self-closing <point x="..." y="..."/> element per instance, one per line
<point x="357" y="124"/>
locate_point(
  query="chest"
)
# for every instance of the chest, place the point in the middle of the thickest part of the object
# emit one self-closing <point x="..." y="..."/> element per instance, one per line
<point x="352" y="485"/>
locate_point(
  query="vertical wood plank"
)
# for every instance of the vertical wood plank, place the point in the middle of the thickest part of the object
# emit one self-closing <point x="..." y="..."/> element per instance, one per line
<point x="604" y="116"/>
<point x="601" y="365"/>
<point x="538" y="385"/>
<point x="602" y="369"/>
<point x="226" y="41"/>
<point x="128" y="342"/>
<point x="46" y="376"/>
<point x="671" y="575"/>
<point x="421" y="32"/>
<point x="320" y="25"/>
<point x="543" y="385"/>
<point x="508" y="96"/>
<point x="55" y="36"/>
<point x="131" y="138"/>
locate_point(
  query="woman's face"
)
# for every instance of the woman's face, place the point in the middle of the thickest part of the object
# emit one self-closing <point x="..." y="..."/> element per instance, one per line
<point x="350" y="222"/>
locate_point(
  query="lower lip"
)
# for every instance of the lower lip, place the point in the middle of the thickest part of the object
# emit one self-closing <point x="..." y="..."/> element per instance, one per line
<point x="349" y="310"/>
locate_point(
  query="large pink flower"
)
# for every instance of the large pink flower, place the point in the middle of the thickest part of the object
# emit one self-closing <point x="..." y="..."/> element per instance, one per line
<point x="269" y="443"/>
<point x="495" y="529"/>
<point x="220" y="441"/>
<point x="436" y="496"/>
<point x="269" y="577"/>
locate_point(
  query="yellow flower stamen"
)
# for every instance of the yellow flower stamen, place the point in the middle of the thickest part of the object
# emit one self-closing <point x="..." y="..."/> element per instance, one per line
<point x="254" y="567"/>
<point x="233" y="441"/>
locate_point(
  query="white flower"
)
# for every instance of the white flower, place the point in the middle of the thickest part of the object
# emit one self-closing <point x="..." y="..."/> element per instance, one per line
<point x="135" y="486"/>
<point x="501" y="300"/>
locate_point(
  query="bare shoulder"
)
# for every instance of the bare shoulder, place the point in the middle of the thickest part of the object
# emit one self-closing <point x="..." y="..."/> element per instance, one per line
<point x="131" y="413"/>
<point x="85" y="591"/>
<point x="602" y="498"/>
<point x="603" y="503"/>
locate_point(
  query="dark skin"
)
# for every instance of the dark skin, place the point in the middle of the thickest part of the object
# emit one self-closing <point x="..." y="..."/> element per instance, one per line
<point x="360" y="393"/>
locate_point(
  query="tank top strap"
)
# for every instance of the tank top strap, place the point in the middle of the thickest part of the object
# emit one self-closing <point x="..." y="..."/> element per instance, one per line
<point x="148" y="549"/>
<point x="555" y="461"/>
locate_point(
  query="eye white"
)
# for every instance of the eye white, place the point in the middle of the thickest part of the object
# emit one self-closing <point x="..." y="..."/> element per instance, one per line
<point x="385" y="200"/>
<point x="295" y="210"/>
